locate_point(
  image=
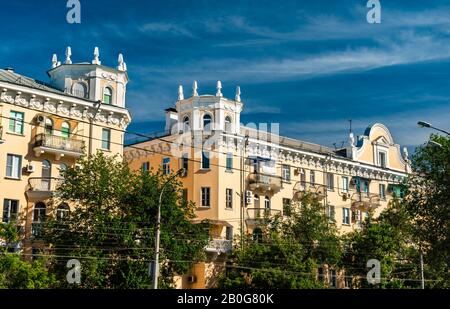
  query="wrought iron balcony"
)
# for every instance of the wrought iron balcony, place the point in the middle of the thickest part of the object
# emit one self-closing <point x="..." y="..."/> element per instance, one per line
<point x="364" y="201"/>
<point x="218" y="245"/>
<point x="257" y="216"/>
<point x="301" y="188"/>
<point x="58" y="145"/>
<point x="264" y="182"/>
<point x="36" y="229"/>
<point x="42" y="186"/>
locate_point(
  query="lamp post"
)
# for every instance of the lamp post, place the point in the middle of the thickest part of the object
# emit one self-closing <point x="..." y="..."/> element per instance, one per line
<point x="158" y="229"/>
<point x="424" y="124"/>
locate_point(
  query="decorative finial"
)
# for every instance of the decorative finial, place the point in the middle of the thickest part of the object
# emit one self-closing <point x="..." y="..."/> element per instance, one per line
<point x="54" y="61"/>
<point x="180" y="93"/>
<point x="219" y="89"/>
<point x="122" y="65"/>
<point x="96" y="56"/>
<point x="238" y="94"/>
<point x="68" y="55"/>
<point x="351" y="139"/>
<point x="405" y="153"/>
<point x="194" y="89"/>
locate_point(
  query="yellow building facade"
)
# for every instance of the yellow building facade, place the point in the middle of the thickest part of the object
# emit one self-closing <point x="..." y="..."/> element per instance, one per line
<point x="238" y="175"/>
<point x="46" y="127"/>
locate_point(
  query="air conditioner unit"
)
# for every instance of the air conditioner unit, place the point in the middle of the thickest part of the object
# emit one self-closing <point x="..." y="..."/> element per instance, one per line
<point x="30" y="168"/>
<point x="248" y="197"/>
<point x="40" y="119"/>
<point x="192" y="278"/>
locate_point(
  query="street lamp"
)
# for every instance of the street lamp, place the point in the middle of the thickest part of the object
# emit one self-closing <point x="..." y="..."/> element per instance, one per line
<point x="424" y="124"/>
<point x="158" y="228"/>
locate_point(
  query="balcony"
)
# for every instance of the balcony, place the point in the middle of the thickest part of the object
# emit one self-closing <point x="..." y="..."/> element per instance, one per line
<point x="42" y="187"/>
<point x="364" y="201"/>
<point x="60" y="146"/>
<point x="264" y="182"/>
<point x="36" y="230"/>
<point x="301" y="188"/>
<point x="258" y="216"/>
<point x="218" y="245"/>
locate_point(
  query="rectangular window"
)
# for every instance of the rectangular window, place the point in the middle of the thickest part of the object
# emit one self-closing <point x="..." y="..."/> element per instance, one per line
<point x="16" y="120"/>
<point x="229" y="198"/>
<point x="184" y="195"/>
<point x="366" y="187"/>
<point x="382" y="191"/>
<point x="13" y="166"/>
<point x="312" y="177"/>
<point x="286" y="173"/>
<point x="10" y="210"/>
<point x="344" y="184"/>
<point x="229" y="165"/>
<point x="331" y="213"/>
<point x="346" y="215"/>
<point x="229" y="233"/>
<point x="287" y="209"/>
<point x="382" y="159"/>
<point x="145" y="166"/>
<point x="166" y="166"/>
<point x="185" y="162"/>
<point x="205" y="159"/>
<point x="206" y="197"/>
<point x="106" y="139"/>
<point x="330" y="181"/>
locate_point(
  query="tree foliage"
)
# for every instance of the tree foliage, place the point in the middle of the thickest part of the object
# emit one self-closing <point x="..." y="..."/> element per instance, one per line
<point x="112" y="223"/>
<point x="288" y="252"/>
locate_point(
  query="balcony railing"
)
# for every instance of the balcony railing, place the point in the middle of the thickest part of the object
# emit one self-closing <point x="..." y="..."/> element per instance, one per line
<point x="36" y="229"/>
<point x="259" y="215"/>
<point x="54" y="143"/>
<point x="43" y="184"/>
<point x="365" y="201"/>
<point x="218" y="245"/>
<point x="264" y="182"/>
<point x="301" y="188"/>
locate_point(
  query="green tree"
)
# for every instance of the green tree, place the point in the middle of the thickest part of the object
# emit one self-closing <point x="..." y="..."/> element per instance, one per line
<point x="288" y="252"/>
<point x="111" y="228"/>
<point x="16" y="273"/>
<point x="428" y="203"/>
<point x="388" y="239"/>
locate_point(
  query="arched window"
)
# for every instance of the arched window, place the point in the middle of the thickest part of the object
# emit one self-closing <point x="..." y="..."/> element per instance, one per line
<point x="65" y="129"/>
<point x="267" y="202"/>
<point x="207" y="119"/>
<point x="79" y="90"/>
<point x="48" y="126"/>
<point x="39" y="212"/>
<point x="46" y="175"/>
<point x="186" y="124"/>
<point x="62" y="212"/>
<point x="228" y="127"/>
<point x="62" y="168"/>
<point x="107" y="95"/>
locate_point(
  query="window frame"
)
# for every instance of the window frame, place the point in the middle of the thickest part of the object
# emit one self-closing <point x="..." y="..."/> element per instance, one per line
<point x="381" y="191"/>
<point x="65" y="131"/>
<point x="267" y="203"/>
<point x="382" y="163"/>
<point x="13" y="168"/>
<point x="110" y="95"/>
<point x="166" y="165"/>
<point x="286" y="173"/>
<point x="330" y="185"/>
<point x="206" y="160"/>
<point x="106" y="142"/>
<point x="7" y="210"/>
<point x="229" y="162"/>
<point x="16" y="122"/>
<point x="345" y="211"/>
<point x="207" y="127"/>
<point x="228" y="198"/>
<point x="345" y="184"/>
<point x="205" y="197"/>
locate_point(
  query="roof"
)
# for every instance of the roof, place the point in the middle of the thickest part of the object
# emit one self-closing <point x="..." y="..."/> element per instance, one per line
<point x="12" y="77"/>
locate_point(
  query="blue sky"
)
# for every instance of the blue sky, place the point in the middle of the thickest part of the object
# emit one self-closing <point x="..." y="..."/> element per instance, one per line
<point x="309" y="65"/>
